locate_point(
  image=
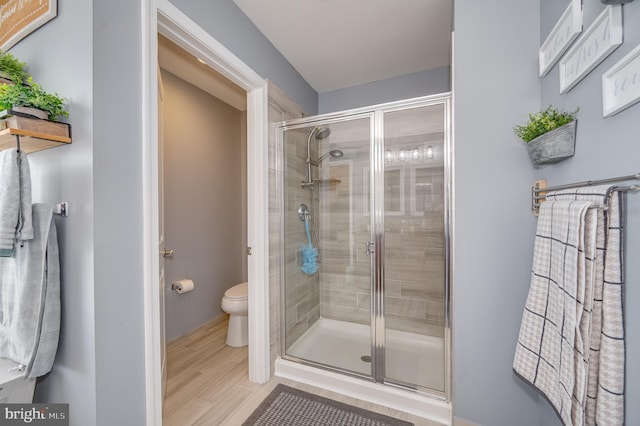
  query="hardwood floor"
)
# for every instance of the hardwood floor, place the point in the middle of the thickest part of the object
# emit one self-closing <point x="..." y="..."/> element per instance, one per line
<point x="208" y="383"/>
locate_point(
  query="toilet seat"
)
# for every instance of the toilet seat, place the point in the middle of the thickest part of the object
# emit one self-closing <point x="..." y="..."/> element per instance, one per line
<point x="237" y="292"/>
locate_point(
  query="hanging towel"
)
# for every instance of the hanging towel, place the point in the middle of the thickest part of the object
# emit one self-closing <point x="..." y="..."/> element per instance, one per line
<point x="15" y="200"/>
<point x="30" y="298"/>
<point x="571" y="341"/>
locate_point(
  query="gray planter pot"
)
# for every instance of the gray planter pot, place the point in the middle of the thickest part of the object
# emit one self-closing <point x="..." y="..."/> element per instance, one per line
<point x="553" y="146"/>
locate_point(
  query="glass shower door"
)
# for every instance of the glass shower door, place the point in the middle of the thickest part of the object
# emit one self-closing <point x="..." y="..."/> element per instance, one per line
<point x="415" y="152"/>
<point x="365" y="243"/>
<point x="327" y="225"/>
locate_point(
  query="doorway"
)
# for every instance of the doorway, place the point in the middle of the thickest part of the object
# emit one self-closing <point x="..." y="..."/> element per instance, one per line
<point x="203" y="184"/>
<point x="164" y="18"/>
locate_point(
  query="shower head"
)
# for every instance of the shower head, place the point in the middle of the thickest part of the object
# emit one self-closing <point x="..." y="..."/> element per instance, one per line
<point x="334" y="153"/>
<point x="322" y="132"/>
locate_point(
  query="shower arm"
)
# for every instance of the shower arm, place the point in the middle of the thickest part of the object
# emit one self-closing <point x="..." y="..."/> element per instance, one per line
<point x="321" y="159"/>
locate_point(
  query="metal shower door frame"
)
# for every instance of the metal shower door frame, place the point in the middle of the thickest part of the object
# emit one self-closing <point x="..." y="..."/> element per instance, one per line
<point x="376" y="207"/>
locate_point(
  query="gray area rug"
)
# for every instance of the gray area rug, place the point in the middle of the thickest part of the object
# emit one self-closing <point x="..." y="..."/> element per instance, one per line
<point x="286" y="406"/>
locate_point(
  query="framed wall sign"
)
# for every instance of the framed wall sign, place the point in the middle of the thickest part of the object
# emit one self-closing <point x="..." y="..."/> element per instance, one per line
<point x="595" y="44"/>
<point x="566" y="30"/>
<point x="19" y="18"/>
<point x="621" y="84"/>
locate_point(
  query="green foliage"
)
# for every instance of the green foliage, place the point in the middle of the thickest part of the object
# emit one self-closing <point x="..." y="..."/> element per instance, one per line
<point x="32" y="95"/>
<point x="543" y="122"/>
<point x="13" y="68"/>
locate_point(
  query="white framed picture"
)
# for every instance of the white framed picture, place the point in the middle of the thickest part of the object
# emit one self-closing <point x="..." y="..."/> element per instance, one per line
<point x="621" y="84"/>
<point x="566" y="30"/>
<point x="595" y="44"/>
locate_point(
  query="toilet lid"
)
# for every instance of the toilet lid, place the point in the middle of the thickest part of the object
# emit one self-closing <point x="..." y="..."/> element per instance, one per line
<point x="239" y="291"/>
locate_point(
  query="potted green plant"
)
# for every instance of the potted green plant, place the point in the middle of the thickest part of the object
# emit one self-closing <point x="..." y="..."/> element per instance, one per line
<point x="550" y="135"/>
<point x="11" y="69"/>
<point x="32" y="95"/>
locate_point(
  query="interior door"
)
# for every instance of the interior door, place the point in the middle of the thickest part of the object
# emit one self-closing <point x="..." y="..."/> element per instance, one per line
<point x="161" y="236"/>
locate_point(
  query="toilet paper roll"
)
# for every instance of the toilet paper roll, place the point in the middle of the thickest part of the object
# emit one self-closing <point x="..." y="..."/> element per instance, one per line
<point x="182" y="286"/>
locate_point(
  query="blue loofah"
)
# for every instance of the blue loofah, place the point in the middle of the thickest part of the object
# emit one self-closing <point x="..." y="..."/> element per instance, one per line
<point x="309" y="254"/>
<point x="309" y="259"/>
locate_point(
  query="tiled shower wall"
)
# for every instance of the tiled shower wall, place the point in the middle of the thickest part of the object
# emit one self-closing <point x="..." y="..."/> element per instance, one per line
<point x="302" y="292"/>
<point x="414" y="238"/>
<point x="302" y="295"/>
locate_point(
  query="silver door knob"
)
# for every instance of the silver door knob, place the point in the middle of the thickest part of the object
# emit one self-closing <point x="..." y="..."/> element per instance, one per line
<point x="166" y="253"/>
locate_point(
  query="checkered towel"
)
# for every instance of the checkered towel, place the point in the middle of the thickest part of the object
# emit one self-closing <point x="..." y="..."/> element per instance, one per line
<point x="571" y="342"/>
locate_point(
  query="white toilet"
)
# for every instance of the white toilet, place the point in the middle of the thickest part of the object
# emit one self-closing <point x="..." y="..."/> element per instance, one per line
<point x="235" y="303"/>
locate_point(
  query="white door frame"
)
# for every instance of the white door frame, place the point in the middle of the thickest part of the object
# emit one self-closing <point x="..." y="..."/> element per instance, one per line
<point x="160" y="16"/>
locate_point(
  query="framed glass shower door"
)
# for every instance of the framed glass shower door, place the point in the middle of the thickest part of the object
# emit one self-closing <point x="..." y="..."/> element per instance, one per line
<point x="415" y="244"/>
<point x="327" y="224"/>
<point x="365" y="243"/>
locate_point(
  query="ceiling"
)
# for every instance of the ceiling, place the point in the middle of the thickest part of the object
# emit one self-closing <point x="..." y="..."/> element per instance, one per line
<point x="179" y="62"/>
<point x="335" y="44"/>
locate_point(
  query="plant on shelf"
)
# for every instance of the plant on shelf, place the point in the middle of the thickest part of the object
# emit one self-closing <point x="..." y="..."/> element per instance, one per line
<point x="550" y="135"/>
<point x="32" y="95"/>
<point x="12" y="69"/>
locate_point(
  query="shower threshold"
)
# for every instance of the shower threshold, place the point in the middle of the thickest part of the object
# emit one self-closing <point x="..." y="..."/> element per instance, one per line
<point x="418" y="404"/>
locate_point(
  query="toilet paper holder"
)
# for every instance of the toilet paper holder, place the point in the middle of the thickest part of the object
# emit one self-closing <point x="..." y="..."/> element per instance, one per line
<point x="183" y="286"/>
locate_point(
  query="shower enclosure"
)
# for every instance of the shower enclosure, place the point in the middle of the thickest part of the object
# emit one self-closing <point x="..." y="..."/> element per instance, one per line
<point x="365" y="250"/>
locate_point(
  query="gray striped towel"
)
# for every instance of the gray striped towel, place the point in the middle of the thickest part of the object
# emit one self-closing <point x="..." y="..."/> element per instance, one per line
<point x="30" y="296"/>
<point x="15" y="200"/>
<point x="571" y="342"/>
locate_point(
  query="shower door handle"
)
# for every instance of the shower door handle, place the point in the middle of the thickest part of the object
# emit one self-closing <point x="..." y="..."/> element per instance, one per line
<point x="370" y="247"/>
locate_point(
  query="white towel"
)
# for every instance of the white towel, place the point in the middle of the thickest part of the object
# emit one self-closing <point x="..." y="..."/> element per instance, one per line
<point x="30" y="298"/>
<point x="15" y="200"/>
<point x="571" y="342"/>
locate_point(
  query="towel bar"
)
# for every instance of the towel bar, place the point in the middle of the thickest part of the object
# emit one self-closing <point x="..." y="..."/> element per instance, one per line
<point x="539" y="189"/>
<point x="61" y="209"/>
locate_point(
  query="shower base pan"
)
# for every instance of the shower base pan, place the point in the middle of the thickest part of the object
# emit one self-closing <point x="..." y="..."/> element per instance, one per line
<point x="410" y="359"/>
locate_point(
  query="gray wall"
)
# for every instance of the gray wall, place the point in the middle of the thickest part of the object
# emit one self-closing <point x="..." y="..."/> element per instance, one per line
<point x="59" y="57"/>
<point x="495" y="76"/>
<point x="100" y="363"/>
<point x="231" y="27"/>
<point x="407" y="86"/>
<point x="605" y="147"/>
<point x="203" y="202"/>
<point x="118" y="217"/>
<point x="495" y="85"/>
